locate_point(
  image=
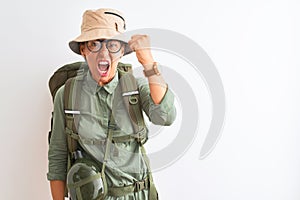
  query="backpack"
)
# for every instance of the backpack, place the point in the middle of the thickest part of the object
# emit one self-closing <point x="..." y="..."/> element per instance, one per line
<point x="71" y="75"/>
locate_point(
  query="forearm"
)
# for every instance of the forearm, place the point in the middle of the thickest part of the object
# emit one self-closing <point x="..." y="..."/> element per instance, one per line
<point x="157" y="84"/>
<point x="158" y="88"/>
<point x="58" y="189"/>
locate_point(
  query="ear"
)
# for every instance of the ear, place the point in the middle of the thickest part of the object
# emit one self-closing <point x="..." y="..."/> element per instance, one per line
<point x="81" y="49"/>
<point x="122" y="51"/>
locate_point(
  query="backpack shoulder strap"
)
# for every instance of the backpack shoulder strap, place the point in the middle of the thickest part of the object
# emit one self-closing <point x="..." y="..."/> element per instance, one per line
<point x="130" y="94"/>
<point x="71" y="107"/>
<point x="70" y="124"/>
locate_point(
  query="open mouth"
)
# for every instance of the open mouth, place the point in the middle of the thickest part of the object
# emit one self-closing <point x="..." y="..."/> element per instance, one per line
<point x="103" y="67"/>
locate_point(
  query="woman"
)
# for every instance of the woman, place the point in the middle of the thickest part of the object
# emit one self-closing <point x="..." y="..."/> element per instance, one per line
<point x="127" y="171"/>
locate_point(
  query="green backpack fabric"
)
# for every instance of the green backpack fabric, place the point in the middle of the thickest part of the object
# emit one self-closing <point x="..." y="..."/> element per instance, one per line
<point x="71" y="75"/>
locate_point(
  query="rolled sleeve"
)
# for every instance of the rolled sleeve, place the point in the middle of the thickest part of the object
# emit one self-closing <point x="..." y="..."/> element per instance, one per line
<point x="58" y="152"/>
<point x="160" y="114"/>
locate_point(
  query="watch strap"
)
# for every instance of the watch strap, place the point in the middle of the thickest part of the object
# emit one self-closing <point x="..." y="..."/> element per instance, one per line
<point x="153" y="71"/>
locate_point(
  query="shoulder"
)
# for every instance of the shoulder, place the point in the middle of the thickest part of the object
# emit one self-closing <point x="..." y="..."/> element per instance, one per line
<point x="59" y="96"/>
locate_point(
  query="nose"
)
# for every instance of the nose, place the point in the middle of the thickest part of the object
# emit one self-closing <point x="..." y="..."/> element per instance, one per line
<point x="103" y="52"/>
<point x="103" y="47"/>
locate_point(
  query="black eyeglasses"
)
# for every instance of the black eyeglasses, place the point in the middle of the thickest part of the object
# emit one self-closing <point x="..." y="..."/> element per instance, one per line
<point x="113" y="46"/>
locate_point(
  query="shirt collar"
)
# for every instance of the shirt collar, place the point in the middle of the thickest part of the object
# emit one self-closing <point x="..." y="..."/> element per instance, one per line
<point x="109" y="87"/>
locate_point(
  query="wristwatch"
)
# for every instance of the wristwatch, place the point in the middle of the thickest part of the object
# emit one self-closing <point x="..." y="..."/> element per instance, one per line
<point x="153" y="71"/>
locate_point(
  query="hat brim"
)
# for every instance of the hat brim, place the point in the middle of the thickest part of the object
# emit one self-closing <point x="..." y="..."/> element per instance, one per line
<point x="99" y="34"/>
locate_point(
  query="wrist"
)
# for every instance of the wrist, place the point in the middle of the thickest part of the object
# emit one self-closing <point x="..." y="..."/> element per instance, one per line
<point x="146" y="61"/>
<point x="148" y="65"/>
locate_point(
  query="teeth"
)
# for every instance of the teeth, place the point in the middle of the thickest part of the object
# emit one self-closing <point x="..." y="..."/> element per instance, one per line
<point x="103" y="63"/>
<point x="103" y="66"/>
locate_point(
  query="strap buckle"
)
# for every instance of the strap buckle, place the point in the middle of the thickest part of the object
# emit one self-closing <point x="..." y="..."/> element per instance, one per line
<point x="141" y="136"/>
<point x="141" y="185"/>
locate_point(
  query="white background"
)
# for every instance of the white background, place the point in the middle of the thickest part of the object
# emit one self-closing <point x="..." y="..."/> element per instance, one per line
<point x="255" y="47"/>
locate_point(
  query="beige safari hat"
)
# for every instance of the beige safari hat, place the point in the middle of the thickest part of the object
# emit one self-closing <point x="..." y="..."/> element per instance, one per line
<point x="101" y="24"/>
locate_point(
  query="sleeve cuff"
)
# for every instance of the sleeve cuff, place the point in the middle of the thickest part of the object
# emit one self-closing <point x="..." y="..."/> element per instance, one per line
<point x="52" y="177"/>
<point x="165" y="112"/>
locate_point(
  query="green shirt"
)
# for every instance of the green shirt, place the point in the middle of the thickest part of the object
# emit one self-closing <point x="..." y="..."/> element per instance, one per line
<point x="126" y="164"/>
